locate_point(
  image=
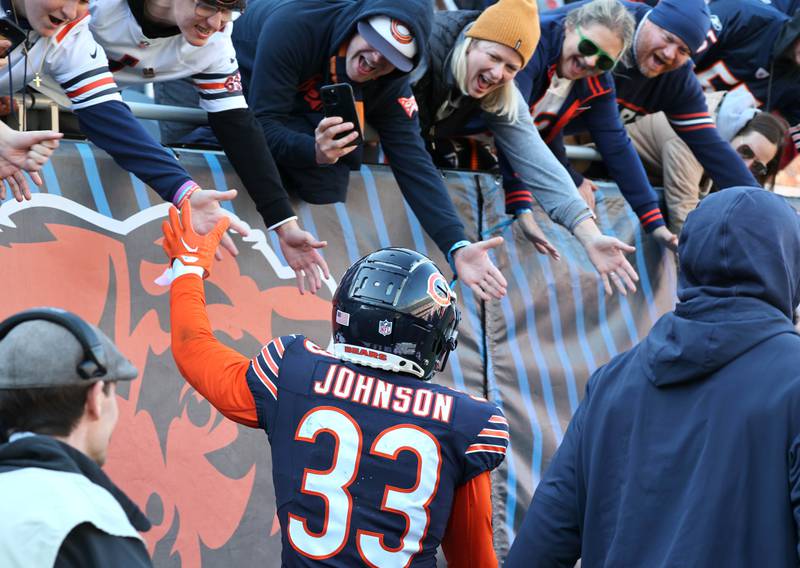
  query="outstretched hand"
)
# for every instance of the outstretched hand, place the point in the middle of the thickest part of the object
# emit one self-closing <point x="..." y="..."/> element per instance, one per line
<point x="27" y="150"/>
<point x="666" y="238"/>
<point x="208" y="212"/>
<point x="608" y="256"/>
<point x="476" y="270"/>
<point x="533" y="232"/>
<point x="299" y="247"/>
<point x="13" y="177"/>
<point x="182" y="243"/>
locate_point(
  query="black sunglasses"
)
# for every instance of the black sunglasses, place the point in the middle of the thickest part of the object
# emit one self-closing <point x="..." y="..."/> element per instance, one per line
<point x="758" y="169"/>
<point x="588" y="48"/>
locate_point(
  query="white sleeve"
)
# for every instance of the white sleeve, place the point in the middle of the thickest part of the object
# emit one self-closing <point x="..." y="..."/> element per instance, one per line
<point x="79" y="65"/>
<point x="220" y="85"/>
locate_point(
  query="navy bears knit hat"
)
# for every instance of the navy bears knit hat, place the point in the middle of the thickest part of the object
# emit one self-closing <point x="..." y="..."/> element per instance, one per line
<point x="687" y="19"/>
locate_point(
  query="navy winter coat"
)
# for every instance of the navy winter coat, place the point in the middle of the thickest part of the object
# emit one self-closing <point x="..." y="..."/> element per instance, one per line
<point x="284" y="48"/>
<point x="686" y="449"/>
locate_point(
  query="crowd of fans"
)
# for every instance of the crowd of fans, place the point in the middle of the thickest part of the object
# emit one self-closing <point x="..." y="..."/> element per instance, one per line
<point x="693" y="96"/>
<point x="648" y="88"/>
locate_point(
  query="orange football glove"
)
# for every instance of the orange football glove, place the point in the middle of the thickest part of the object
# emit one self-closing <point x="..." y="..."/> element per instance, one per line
<point x="184" y="247"/>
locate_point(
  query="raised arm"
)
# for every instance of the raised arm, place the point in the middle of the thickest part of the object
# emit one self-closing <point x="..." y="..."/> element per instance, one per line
<point x="689" y="117"/>
<point x="216" y="371"/>
<point x="538" y="170"/>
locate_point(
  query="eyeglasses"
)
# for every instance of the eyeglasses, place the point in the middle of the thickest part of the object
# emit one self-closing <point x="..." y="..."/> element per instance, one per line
<point x="588" y="48"/>
<point x="209" y="10"/>
<point x="757" y="168"/>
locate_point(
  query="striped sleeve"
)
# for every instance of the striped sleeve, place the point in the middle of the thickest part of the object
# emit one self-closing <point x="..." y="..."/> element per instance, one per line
<point x="794" y="131"/>
<point x="220" y="91"/>
<point x="488" y="447"/>
<point x="92" y="87"/>
<point x="79" y="65"/>
<point x="219" y="82"/>
<point x="691" y="121"/>
<point x="263" y="376"/>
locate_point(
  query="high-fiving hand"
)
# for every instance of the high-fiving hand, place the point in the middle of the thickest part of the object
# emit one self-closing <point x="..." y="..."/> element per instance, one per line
<point x="183" y="245"/>
<point x="476" y="269"/>
<point x="299" y="247"/>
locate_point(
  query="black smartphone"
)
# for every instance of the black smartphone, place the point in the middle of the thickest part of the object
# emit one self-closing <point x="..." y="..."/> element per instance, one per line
<point x="11" y="32"/>
<point x="338" y="100"/>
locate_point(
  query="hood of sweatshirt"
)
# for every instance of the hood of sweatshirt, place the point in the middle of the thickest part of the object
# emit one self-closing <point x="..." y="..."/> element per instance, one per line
<point x="739" y="285"/>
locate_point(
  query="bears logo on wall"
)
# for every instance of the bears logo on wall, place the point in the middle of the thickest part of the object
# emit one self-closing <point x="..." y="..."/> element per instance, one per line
<point x="204" y="482"/>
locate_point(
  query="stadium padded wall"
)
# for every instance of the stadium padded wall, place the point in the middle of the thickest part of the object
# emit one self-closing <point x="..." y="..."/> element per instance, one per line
<point x="89" y="242"/>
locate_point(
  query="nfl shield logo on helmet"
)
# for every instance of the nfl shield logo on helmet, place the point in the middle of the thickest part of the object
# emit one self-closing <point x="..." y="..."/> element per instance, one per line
<point x="385" y="327"/>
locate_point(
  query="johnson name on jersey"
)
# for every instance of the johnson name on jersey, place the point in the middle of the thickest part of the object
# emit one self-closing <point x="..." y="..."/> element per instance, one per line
<point x="361" y="455"/>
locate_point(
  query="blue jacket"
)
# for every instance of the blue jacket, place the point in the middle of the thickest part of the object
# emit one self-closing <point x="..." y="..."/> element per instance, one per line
<point x="746" y="46"/>
<point x="686" y="449"/>
<point x="592" y="102"/>
<point x="679" y="95"/>
<point x="786" y="6"/>
<point x="284" y="49"/>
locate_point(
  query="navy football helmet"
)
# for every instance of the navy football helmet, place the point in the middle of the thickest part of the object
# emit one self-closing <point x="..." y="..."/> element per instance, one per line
<point x="393" y="310"/>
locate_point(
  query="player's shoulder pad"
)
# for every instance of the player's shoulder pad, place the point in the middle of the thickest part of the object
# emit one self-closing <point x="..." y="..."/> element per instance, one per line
<point x="488" y="439"/>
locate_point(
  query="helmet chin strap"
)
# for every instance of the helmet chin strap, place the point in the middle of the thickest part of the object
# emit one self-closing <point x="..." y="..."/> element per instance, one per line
<point x="377" y="359"/>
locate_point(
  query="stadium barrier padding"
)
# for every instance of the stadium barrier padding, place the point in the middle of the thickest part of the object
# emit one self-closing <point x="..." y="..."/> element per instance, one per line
<point x="89" y="242"/>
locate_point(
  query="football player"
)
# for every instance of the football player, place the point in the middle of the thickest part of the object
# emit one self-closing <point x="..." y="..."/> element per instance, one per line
<point x="161" y="40"/>
<point x="372" y="463"/>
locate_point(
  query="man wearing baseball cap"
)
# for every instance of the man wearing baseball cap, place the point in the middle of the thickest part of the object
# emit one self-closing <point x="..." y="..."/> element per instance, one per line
<point x="58" y="409"/>
<point x="661" y="79"/>
<point x="160" y="41"/>
<point x="288" y="50"/>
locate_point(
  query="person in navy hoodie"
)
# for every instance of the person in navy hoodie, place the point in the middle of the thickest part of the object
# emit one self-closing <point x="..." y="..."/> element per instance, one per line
<point x="287" y="50"/>
<point x="786" y="6"/>
<point x="685" y="450"/>
<point x="751" y="45"/>
<point x="661" y="78"/>
<point x="563" y="84"/>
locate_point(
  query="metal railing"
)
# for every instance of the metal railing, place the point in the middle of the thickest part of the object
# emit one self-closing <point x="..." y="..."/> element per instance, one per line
<point x="151" y="111"/>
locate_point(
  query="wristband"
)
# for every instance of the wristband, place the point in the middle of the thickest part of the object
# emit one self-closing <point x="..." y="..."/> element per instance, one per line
<point x="175" y="270"/>
<point x="450" y="260"/>
<point x="184" y="192"/>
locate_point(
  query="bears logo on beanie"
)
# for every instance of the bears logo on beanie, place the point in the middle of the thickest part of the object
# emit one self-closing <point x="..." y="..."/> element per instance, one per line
<point x="687" y="19"/>
<point x="513" y="23"/>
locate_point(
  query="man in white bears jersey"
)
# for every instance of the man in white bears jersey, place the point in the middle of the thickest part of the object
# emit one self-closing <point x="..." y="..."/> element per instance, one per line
<point x="60" y="57"/>
<point x="161" y="40"/>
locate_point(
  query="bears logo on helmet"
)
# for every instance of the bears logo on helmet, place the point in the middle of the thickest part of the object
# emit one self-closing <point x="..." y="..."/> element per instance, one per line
<point x="399" y="306"/>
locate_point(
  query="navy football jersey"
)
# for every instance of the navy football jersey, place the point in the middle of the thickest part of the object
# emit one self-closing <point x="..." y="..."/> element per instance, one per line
<point x="365" y="461"/>
<point x="741" y="52"/>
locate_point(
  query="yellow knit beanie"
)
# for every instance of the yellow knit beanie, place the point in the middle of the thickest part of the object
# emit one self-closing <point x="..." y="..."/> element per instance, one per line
<point x="513" y="23"/>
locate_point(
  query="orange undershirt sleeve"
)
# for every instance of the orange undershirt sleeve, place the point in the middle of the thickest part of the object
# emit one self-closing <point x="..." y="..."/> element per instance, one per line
<point x="468" y="540"/>
<point x="216" y="371"/>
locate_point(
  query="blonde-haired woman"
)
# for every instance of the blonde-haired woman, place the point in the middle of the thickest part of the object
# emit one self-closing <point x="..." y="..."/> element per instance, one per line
<point x="466" y="84"/>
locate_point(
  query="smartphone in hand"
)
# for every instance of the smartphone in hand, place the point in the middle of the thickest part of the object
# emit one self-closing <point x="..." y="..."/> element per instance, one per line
<point x="338" y="100"/>
<point x="10" y="31"/>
